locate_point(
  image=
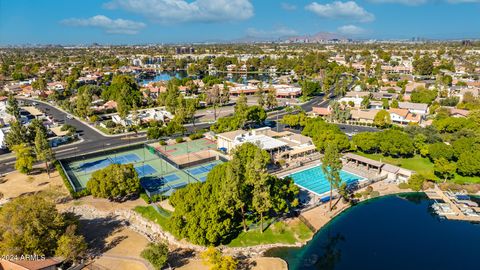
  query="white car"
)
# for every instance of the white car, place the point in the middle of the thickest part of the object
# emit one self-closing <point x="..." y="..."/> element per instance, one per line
<point x="69" y="116"/>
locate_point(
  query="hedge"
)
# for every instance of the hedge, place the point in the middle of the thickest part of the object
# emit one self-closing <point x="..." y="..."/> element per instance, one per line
<point x="73" y="193"/>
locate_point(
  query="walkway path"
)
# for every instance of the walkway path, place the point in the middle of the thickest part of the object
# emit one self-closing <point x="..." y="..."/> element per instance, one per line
<point x="127" y="258"/>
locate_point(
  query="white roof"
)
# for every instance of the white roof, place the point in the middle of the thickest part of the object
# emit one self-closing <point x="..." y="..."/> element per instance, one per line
<point x="263" y="141"/>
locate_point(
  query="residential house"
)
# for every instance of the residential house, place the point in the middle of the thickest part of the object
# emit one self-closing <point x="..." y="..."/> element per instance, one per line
<point x="416" y="108"/>
<point x="454" y="112"/>
<point x="320" y="111"/>
<point x="375" y="105"/>
<point x="30" y="264"/>
<point x="363" y="116"/>
<point x="403" y="116"/>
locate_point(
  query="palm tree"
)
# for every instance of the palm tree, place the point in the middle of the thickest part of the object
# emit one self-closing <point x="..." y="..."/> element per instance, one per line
<point x="331" y="167"/>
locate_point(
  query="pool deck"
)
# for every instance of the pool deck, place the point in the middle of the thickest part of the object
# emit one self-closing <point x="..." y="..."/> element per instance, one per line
<point x="361" y="178"/>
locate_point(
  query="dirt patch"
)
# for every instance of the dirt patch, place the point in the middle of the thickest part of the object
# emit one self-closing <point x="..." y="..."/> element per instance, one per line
<point x="266" y="263"/>
<point x="17" y="184"/>
<point x="119" y="264"/>
<point x="104" y="204"/>
<point x="123" y="251"/>
<point x="261" y="263"/>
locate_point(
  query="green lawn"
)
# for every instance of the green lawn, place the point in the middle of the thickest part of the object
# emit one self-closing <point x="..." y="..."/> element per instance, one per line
<point x="150" y="213"/>
<point x="279" y="232"/>
<point x="419" y="164"/>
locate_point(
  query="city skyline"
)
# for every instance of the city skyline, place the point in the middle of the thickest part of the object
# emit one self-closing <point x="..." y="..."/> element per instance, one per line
<point x="179" y="21"/>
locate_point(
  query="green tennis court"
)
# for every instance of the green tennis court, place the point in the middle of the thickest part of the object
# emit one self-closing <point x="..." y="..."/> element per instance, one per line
<point x="149" y="166"/>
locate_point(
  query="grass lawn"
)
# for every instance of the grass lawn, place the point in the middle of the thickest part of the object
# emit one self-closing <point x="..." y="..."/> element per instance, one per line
<point x="150" y="213"/>
<point x="280" y="232"/>
<point x="419" y="164"/>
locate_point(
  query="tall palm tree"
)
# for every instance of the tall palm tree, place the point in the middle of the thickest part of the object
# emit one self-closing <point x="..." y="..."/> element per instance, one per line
<point x="331" y="167"/>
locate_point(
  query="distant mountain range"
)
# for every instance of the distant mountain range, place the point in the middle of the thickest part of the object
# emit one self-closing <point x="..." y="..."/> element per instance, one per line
<point x="315" y="38"/>
<point x="318" y="37"/>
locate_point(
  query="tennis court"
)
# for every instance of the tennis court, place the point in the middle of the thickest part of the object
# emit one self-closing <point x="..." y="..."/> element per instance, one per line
<point x="200" y="172"/>
<point x="179" y="149"/>
<point x="155" y="173"/>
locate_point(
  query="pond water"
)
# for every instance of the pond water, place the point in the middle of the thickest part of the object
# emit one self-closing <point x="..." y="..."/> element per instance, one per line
<point x="167" y="75"/>
<point x="392" y="232"/>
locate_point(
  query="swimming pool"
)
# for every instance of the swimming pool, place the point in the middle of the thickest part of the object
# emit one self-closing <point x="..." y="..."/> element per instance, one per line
<point x="314" y="180"/>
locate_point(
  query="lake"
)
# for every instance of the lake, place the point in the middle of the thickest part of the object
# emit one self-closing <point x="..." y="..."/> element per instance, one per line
<point x="392" y="232"/>
<point x="241" y="78"/>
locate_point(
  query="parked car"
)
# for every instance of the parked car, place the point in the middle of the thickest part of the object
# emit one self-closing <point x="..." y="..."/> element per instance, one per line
<point x="69" y="116"/>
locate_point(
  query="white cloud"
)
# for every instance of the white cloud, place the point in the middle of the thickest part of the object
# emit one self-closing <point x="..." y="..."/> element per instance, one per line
<point x="404" y="2"/>
<point x="117" y="26"/>
<point x="275" y="33"/>
<point x="351" y="30"/>
<point x="341" y="10"/>
<point x="287" y="6"/>
<point x="175" y="11"/>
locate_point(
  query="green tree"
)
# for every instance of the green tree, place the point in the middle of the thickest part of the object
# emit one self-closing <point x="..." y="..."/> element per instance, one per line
<point x="469" y="163"/>
<point x="422" y="95"/>
<point x="241" y="107"/>
<point x="395" y="143"/>
<point x="261" y="199"/>
<point x="256" y="114"/>
<point x="331" y="167"/>
<point x="114" y="182"/>
<point x="423" y="65"/>
<point x="43" y="150"/>
<point x="416" y="181"/>
<point x="323" y="134"/>
<point x="156" y="254"/>
<point x="217" y="261"/>
<point x="365" y="102"/>
<point x="31" y="225"/>
<point x="12" y="107"/>
<point x="214" y="97"/>
<point x="271" y="101"/>
<point x="24" y="158"/>
<point x="394" y="104"/>
<point x="260" y="96"/>
<point x="39" y="84"/>
<point x="382" y="119"/>
<point x="71" y="246"/>
<point x="366" y="142"/>
<point x="83" y="101"/>
<point x="440" y="150"/>
<point x="310" y="88"/>
<point x="444" y="169"/>
<point x="17" y="135"/>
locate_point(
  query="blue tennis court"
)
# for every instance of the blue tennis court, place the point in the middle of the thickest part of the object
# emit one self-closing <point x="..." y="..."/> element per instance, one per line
<point x="151" y="184"/>
<point x="92" y="166"/>
<point x="145" y="170"/>
<point x="170" y="178"/>
<point x="202" y="169"/>
<point x="125" y="159"/>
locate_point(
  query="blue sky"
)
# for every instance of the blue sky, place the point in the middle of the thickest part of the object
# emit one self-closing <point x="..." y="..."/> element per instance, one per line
<point x="170" y="21"/>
